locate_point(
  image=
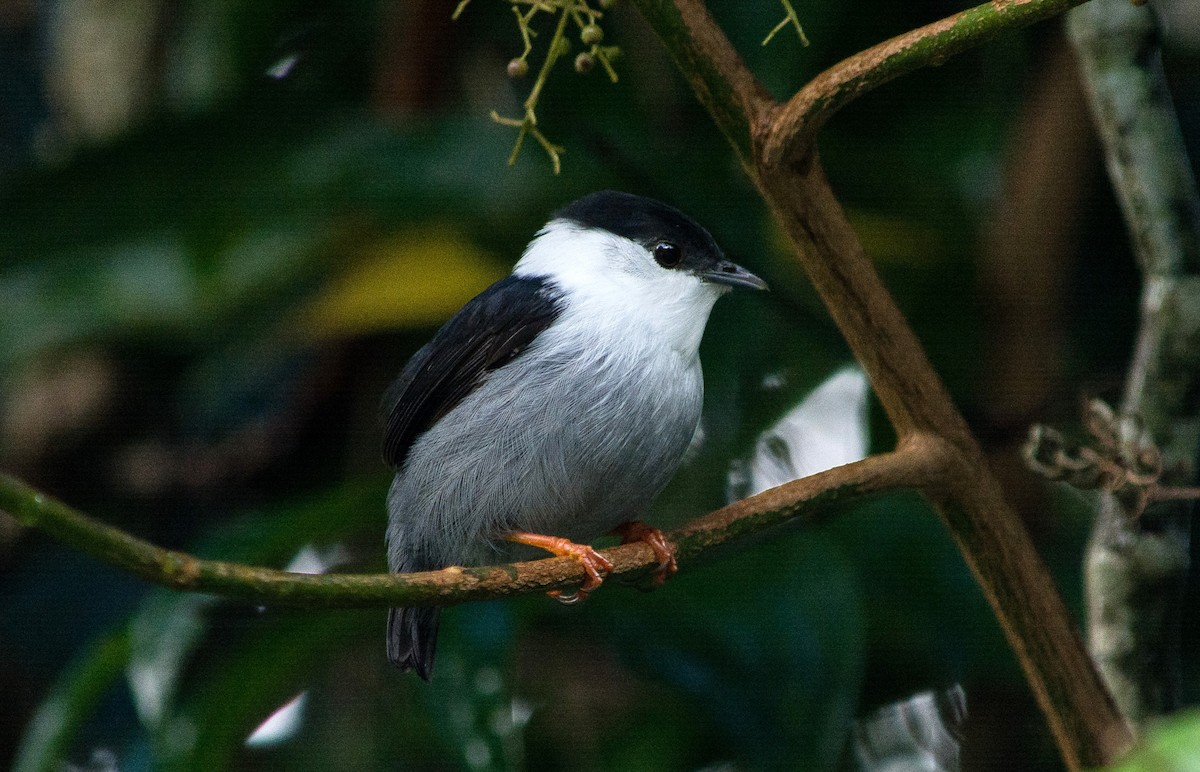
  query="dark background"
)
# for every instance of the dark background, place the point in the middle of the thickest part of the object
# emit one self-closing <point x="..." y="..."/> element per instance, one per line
<point x="224" y="225"/>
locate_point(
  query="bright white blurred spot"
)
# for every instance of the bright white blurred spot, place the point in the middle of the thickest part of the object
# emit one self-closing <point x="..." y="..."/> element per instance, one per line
<point x="281" y="725"/>
<point x="283" y="68"/>
<point x="827" y="429"/>
<point x="99" y="60"/>
<point x="773" y="381"/>
<point x="310" y="560"/>
<point x="522" y="711"/>
<point x="163" y="639"/>
<point x="149" y="684"/>
<point x="920" y="734"/>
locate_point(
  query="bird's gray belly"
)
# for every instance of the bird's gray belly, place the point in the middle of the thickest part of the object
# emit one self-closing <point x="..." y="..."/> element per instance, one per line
<point x="562" y="453"/>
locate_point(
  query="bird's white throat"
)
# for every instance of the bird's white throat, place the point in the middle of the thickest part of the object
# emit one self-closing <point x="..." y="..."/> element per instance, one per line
<point x="611" y="281"/>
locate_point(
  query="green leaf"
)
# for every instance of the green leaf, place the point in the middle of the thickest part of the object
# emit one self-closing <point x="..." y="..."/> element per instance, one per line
<point x="71" y="703"/>
<point x="226" y="697"/>
<point x="709" y="636"/>
<point x="1171" y="745"/>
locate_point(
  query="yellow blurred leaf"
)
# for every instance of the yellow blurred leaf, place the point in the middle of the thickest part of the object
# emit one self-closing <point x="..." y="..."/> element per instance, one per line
<point x="411" y="279"/>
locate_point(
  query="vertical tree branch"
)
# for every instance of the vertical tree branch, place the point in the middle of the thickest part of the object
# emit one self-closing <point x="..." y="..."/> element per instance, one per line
<point x="777" y="154"/>
<point x="1135" y="570"/>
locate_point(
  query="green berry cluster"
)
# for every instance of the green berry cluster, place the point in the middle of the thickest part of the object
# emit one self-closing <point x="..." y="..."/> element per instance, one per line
<point x="586" y="16"/>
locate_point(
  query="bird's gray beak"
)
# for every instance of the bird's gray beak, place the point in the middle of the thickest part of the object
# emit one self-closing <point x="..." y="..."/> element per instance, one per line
<point x="732" y="274"/>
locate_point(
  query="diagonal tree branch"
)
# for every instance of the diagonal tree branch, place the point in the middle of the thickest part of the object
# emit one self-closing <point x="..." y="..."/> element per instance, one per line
<point x="1081" y="714"/>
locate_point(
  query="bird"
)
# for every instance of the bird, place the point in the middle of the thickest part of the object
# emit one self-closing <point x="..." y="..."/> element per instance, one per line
<point x="556" y="405"/>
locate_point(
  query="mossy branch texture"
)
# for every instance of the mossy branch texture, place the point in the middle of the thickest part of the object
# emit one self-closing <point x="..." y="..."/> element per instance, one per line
<point x="1136" y="568"/>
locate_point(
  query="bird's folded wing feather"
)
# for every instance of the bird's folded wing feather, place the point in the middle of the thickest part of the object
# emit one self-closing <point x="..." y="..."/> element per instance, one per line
<point x="489" y="332"/>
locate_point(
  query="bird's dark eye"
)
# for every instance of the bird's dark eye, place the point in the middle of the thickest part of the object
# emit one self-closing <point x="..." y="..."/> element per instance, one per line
<point x="668" y="255"/>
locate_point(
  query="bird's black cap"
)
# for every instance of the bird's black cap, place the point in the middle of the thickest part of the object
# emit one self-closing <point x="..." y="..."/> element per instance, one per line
<point x="650" y="222"/>
<point x="640" y="219"/>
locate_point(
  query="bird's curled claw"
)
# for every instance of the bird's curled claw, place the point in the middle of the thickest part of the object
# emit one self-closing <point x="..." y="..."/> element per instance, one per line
<point x="595" y="565"/>
<point x="635" y="531"/>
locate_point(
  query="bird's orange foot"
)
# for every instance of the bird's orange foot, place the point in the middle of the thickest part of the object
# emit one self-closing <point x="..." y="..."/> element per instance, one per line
<point x="595" y="565"/>
<point x="636" y="530"/>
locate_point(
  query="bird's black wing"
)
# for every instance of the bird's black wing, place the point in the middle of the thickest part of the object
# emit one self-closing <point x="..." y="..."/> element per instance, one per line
<point x="487" y="333"/>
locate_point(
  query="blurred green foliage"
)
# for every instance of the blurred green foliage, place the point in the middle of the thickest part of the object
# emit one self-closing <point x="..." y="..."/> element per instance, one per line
<point x="202" y="307"/>
<point x="1171" y="746"/>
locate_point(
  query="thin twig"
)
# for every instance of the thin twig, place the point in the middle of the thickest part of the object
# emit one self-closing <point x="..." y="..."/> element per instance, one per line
<point x="789" y="17"/>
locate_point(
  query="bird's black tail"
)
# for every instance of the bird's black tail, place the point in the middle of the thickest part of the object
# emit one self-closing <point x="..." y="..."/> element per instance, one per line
<point x="412" y="638"/>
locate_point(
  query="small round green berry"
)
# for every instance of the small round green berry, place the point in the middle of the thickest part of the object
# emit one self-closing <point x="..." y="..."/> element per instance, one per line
<point x="591" y="35"/>
<point x="518" y="68"/>
<point x="562" y="47"/>
<point x="584" y="63"/>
